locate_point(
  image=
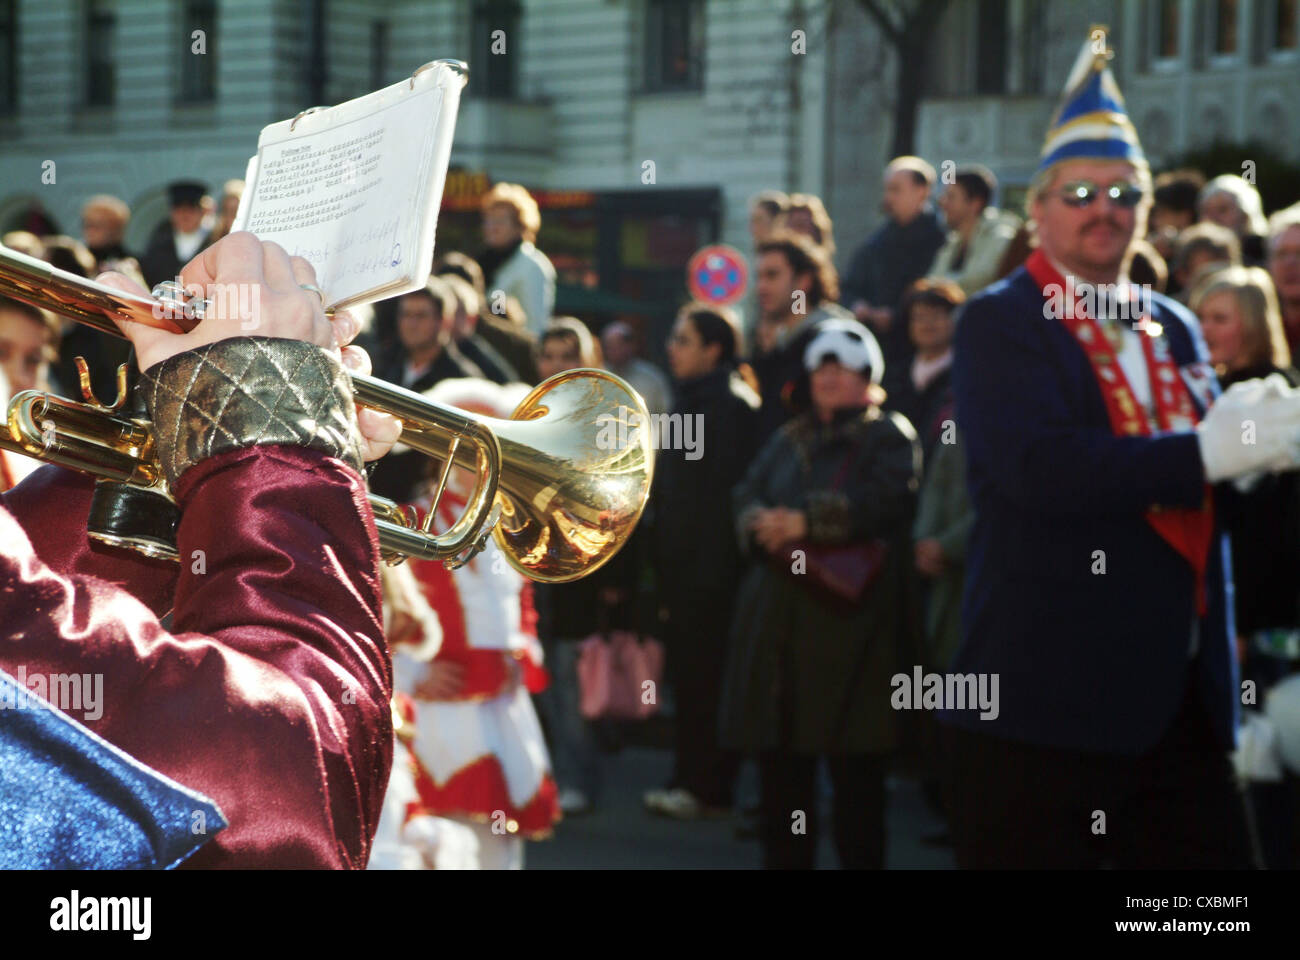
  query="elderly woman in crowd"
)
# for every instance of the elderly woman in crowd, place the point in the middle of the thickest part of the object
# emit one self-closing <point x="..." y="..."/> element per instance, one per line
<point x="103" y="227"/>
<point x="809" y="669"/>
<point x="1243" y="332"/>
<point x="1231" y="202"/>
<point x="510" y="262"/>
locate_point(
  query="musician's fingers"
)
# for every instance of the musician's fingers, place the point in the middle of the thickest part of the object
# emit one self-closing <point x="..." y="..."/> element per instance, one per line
<point x="236" y="258"/>
<point x="303" y="271"/>
<point x="120" y="281"/>
<point x="346" y="328"/>
<point x="304" y="275"/>
<point x="142" y="336"/>
<point x="357" y="360"/>
<point x="306" y="317"/>
<point x="278" y="268"/>
<point x="379" y="431"/>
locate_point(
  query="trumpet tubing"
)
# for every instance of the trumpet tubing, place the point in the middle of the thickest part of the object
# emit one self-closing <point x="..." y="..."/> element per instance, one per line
<point x="559" y="498"/>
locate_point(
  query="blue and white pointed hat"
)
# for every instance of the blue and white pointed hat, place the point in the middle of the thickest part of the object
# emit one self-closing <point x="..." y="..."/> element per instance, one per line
<point x="1091" y="123"/>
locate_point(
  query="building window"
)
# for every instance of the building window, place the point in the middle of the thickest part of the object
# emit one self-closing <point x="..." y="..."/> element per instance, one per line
<point x="494" y="70"/>
<point x="1032" y="49"/>
<point x="378" y="54"/>
<point x="199" y="69"/>
<point x="674" y="45"/>
<point x="314" y="37"/>
<point x="1286" y="25"/>
<point x="991" y="48"/>
<point x="1167" y="29"/>
<point x="8" y="56"/>
<point x="99" y="55"/>
<point x="1224" y="31"/>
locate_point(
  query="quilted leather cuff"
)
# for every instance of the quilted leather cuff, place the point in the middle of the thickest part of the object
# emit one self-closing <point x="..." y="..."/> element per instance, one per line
<point x="249" y="391"/>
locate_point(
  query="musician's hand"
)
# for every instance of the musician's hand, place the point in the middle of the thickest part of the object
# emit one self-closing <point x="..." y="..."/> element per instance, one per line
<point x="254" y="291"/>
<point x="379" y="431"/>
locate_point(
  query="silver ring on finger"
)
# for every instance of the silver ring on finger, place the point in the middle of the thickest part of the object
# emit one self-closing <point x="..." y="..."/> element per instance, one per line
<point x="312" y="288"/>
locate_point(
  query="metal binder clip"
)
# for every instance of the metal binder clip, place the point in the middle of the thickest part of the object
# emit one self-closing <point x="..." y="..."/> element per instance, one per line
<point x="457" y="66"/>
<point x="294" y="122"/>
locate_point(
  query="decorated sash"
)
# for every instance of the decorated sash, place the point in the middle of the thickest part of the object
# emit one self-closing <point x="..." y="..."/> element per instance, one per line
<point x="1188" y="531"/>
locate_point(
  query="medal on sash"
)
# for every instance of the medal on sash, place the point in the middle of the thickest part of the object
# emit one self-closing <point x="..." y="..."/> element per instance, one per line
<point x="1188" y="531"/>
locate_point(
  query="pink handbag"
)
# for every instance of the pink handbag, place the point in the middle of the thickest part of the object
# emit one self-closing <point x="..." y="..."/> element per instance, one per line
<point x="619" y="675"/>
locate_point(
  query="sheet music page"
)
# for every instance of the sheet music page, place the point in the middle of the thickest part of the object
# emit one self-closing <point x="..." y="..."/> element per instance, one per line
<point x="348" y="189"/>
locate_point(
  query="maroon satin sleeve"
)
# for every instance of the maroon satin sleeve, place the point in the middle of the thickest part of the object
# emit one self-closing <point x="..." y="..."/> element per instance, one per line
<point x="52" y="505"/>
<point x="271" y="695"/>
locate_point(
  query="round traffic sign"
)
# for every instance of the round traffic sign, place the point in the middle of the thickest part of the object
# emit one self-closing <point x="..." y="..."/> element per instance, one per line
<point x="717" y="274"/>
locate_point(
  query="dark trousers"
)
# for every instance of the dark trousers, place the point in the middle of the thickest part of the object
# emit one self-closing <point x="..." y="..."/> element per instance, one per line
<point x="1025" y="806"/>
<point x="788" y="787"/>
<point x="696" y="640"/>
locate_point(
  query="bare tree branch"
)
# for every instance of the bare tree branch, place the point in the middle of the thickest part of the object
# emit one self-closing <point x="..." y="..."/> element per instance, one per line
<point x="891" y="30"/>
<point x="908" y="28"/>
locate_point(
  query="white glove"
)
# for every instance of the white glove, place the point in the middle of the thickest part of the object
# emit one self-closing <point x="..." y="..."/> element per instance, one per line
<point x="1254" y="426"/>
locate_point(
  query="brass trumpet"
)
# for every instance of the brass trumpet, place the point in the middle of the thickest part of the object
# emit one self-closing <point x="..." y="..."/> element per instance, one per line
<point x="557" y="487"/>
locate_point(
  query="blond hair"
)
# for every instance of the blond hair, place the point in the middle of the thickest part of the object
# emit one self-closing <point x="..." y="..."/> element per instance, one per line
<point x="1282" y="221"/>
<point x="823" y="228"/>
<point x="464" y="291"/>
<point x="519" y="200"/>
<point x="1263" y="337"/>
<point x="114" y="207"/>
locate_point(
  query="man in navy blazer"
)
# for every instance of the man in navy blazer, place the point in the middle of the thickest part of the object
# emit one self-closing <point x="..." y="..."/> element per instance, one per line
<point x="1097" y="588"/>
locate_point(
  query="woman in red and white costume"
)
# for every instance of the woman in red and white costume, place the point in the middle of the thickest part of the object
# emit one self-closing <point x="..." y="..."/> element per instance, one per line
<point x="406" y="838"/>
<point x="480" y="765"/>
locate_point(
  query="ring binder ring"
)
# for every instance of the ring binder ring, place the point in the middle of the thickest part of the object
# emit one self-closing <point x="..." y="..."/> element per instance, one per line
<point x="459" y="66"/>
<point x="294" y="122"/>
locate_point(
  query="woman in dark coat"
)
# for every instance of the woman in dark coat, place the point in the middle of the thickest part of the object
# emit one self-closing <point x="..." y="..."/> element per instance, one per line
<point x="697" y="560"/>
<point x="568" y="613"/>
<point x="805" y="680"/>
<point x="1243" y="332"/>
<point x="924" y="397"/>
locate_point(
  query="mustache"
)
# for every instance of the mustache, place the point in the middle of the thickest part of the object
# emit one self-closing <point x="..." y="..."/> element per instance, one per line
<point x="1103" y="221"/>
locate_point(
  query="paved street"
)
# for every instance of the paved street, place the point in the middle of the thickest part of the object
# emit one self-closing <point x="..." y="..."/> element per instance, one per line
<point x="621" y="834"/>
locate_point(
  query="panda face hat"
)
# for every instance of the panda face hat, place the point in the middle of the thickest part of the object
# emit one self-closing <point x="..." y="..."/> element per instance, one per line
<point x="850" y="344"/>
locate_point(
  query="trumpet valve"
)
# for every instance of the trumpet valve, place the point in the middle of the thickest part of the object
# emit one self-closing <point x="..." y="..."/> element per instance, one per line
<point x="88" y="391"/>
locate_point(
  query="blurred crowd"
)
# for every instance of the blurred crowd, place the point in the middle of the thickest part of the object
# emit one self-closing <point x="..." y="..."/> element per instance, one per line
<point x="824" y="390"/>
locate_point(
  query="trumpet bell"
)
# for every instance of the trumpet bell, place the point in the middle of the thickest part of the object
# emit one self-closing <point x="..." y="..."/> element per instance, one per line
<point x="577" y="462"/>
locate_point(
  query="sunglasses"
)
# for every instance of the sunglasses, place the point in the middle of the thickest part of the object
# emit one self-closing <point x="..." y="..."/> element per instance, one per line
<point x="1081" y="193"/>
